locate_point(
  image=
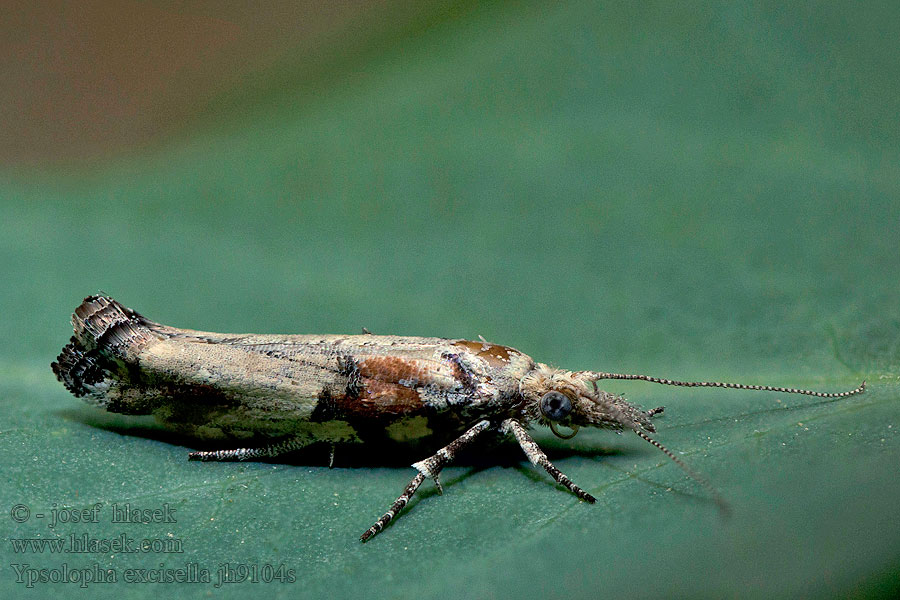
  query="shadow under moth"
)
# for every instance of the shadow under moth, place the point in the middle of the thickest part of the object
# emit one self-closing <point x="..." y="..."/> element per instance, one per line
<point x="273" y="394"/>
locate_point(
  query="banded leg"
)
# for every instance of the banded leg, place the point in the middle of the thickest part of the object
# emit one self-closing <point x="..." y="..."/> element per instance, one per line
<point x="430" y="467"/>
<point x="539" y="459"/>
<point x="270" y="451"/>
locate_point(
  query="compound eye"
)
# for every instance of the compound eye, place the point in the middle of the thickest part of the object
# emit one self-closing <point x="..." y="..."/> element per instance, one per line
<point x="556" y="405"/>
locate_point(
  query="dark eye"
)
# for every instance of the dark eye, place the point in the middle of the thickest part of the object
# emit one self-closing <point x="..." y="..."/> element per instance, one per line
<point x="555" y="405"/>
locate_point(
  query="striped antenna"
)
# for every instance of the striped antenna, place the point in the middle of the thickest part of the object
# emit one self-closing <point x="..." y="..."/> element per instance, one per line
<point x="596" y="376"/>
<point x="720" y="502"/>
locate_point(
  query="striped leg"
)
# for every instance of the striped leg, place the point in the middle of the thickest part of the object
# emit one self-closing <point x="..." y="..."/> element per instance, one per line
<point x="538" y="458"/>
<point x="271" y="451"/>
<point x="430" y="467"/>
<point x="395" y="508"/>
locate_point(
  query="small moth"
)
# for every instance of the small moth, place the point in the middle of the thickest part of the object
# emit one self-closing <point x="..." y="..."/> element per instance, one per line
<point x="272" y="394"/>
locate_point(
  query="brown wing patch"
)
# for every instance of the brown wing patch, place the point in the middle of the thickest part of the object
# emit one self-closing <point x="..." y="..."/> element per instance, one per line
<point x="495" y="354"/>
<point x="393" y="369"/>
<point x="379" y="400"/>
<point x="383" y="387"/>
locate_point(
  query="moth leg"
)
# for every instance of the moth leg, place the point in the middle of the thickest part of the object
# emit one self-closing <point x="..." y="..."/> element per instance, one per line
<point x="395" y="508"/>
<point x="270" y="451"/>
<point x="655" y="411"/>
<point x="539" y="459"/>
<point x="430" y="467"/>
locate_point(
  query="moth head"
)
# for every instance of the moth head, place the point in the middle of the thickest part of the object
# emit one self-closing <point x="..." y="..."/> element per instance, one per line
<point x="556" y="397"/>
<point x="565" y="399"/>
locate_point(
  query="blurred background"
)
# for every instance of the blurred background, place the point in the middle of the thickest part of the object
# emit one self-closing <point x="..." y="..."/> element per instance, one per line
<point x="696" y="191"/>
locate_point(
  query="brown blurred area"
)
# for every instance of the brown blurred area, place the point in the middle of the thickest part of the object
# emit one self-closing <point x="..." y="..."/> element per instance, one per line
<point x="82" y="81"/>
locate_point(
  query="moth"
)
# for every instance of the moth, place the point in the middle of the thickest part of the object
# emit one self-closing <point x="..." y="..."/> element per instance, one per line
<point x="266" y="395"/>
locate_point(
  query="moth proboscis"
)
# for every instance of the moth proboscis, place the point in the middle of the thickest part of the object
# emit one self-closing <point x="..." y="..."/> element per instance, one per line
<point x="273" y="394"/>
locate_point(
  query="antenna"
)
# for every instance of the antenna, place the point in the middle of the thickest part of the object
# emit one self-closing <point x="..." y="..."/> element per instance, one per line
<point x="596" y="376"/>
<point x="723" y="506"/>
